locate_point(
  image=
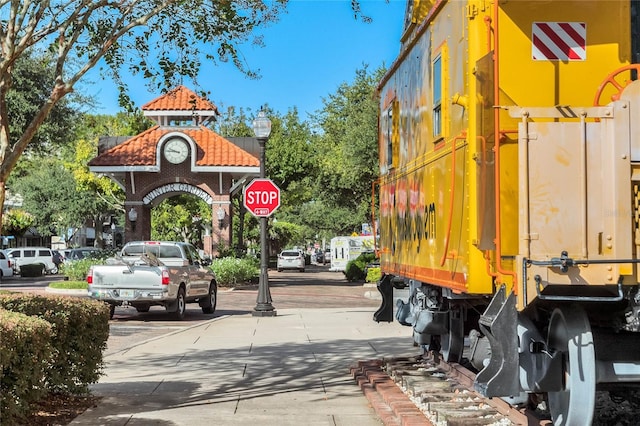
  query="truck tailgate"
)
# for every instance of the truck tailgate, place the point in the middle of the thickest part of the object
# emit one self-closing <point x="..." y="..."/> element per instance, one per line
<point x="121" y="276"/>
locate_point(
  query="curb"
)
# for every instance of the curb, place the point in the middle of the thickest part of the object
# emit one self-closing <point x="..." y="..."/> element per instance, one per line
<point x="67" y="292"/>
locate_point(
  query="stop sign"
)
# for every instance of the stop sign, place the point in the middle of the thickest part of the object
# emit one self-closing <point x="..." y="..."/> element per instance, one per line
<point x="262" y="197"/>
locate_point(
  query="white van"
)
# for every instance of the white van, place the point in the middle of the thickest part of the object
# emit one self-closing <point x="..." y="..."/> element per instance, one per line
<point x="32" y="255"/>
<point x="344" y="249"/>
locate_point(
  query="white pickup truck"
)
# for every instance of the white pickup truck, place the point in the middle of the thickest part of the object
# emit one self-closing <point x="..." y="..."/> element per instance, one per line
<point x="148" y="273"/>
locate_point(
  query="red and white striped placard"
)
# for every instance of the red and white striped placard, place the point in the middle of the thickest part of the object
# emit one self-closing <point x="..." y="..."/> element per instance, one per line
<point x="559" y="41"/>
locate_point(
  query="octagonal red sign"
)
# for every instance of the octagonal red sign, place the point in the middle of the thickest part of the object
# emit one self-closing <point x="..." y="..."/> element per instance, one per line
<point x="262" y="197"/>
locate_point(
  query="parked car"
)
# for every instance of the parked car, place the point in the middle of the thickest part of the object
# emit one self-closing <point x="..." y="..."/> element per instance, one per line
<point x="327" y="255"/>
<point x="83" y="253"/>
<point x="6" y="268"/>
<point x="291" y="259"/>
<point x="319" y="256"/>
<point x="30" y="256"/>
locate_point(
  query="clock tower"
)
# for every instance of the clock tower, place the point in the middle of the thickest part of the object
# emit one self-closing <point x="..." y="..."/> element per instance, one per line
<point x="180" y="154"/>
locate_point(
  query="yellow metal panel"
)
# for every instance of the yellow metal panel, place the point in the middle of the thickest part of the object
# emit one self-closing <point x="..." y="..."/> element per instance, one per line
<point x="560" y="82"/>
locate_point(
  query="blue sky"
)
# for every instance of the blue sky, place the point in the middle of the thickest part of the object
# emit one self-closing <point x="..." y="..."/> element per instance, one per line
<point x="314" y="48"/>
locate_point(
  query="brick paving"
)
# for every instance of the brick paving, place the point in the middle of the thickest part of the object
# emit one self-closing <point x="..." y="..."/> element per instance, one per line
<point x="389" y="401"/>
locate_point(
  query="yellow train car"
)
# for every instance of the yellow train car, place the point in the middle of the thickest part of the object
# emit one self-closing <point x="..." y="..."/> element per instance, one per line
<point x="509" y="193"/>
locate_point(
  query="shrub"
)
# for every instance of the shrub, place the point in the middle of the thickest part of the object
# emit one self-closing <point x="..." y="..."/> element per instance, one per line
<point x="80" y="333"/>
<point x="24" y="357"/>
<point x="231" y="271"/>
<point x="32" y="270"/>
<point x="373" y="275"/>
<point x="355" y="269"/>
<point x="76" y="270"/>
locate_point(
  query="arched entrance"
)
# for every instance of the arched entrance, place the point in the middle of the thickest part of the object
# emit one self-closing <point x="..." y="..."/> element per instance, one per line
<point x="180" y="154"/>
<point x="216" y="227"/>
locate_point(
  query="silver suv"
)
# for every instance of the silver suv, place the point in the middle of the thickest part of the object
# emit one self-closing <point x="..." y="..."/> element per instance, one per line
<point x="291" y="259"/>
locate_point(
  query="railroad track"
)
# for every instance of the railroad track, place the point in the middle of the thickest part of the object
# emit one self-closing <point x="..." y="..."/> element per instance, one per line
<point x="424" y="391"/>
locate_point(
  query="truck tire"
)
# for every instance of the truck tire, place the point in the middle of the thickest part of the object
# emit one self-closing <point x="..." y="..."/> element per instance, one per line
<point x="209" y="303"/>
<point x="112" y="310"/>
<point x="181" y="305"/>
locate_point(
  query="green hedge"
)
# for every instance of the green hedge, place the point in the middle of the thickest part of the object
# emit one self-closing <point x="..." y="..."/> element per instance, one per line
<point x="355" y="269"/>
<point x="80" y="329"/>
<point x="32" y="270"/>
<point x="373" y="275"/>
<point x="24" y="358"/>
<point x="231" y="271"/>
<point x="76" y="270"/>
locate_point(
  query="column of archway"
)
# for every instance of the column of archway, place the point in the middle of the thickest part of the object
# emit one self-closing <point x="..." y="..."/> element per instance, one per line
<point x="140" y="229"/>
<point x="220" y="230"/>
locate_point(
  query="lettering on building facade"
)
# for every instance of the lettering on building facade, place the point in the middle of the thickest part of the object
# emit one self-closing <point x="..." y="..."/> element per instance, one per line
<point x="178" y="187"/>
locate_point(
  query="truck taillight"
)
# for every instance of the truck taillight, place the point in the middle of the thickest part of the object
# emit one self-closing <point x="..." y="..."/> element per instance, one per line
<point x="90" y="276"/>
<point x="165" y="277"/>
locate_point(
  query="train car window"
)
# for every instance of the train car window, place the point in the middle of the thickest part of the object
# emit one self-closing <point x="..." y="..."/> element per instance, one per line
<point x="387" y="128"/>
<point x="437" y="97"/>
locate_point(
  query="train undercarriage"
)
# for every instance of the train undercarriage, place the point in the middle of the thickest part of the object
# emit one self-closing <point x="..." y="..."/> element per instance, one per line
<point x="559" y="350"/>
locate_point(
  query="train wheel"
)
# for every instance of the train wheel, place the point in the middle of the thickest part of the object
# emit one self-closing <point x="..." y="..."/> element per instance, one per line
<point x="570" y="333"/>
<point x="452" y="344"/>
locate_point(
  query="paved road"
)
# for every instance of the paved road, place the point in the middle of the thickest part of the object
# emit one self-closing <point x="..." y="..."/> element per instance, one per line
<point x="317" y="287"/>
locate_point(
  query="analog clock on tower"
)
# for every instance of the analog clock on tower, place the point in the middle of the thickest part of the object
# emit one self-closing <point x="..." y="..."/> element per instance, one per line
<point x="176" y="150"/>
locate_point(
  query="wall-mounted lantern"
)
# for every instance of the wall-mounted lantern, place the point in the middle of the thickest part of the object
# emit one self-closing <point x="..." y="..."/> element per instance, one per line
<point x="133" y="217"/>
<point x="221" y="214"/>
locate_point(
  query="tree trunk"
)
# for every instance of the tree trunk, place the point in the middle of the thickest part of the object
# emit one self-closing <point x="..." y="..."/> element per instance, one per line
<point x="2" y="195"/>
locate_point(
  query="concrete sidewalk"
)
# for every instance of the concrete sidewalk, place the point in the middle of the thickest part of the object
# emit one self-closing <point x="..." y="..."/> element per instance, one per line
<point x="292" y="369"/>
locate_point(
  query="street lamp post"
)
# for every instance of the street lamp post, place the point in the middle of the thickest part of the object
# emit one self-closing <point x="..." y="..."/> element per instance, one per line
<point x="264" y="308"/>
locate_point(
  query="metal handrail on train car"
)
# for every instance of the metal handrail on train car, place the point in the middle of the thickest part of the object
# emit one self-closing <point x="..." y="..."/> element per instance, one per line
<point x="461" y="136"/>
<point x="563" y="263"/>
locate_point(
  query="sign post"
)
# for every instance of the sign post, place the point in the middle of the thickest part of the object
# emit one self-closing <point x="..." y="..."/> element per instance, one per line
<point x="261" y="197"/>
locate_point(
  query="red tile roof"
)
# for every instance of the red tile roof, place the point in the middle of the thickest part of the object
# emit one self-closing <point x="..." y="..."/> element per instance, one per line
<point x="180" y="99"/>
<point x="141" y="150"/>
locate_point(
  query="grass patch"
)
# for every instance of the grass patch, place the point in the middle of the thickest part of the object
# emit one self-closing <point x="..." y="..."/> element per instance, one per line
<point x="69" y="285"/>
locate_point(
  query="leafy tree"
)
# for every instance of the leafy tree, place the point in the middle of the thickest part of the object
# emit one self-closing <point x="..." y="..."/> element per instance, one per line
<point x="162" y="40"/>
<point x="325" y="168"/>
<point x="288" y="154"/>
<point x="285" y="234"/>
<point x="109" y="194"/>
<point x="104" y="197"/>
<point x="50" y="195"/>
<point x="180" y="218"/>
<point x="128" y="123"/>
<point x="16" y="222"/>
<point x="31" y="75"/>
<point x="288" y="164"/>
<point x="233" y="123"/>
<point x="346" y="153"/>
